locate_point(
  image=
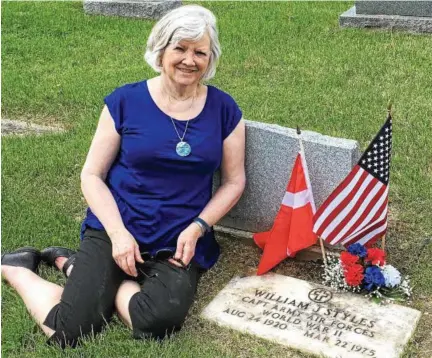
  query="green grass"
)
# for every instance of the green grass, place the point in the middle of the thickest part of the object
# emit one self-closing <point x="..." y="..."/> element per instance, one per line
<point x="285" y="63"/>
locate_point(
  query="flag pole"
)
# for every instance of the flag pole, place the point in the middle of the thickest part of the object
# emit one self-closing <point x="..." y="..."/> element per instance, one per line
<point x="389" y="108"/>
<point x="304" y="156"/>
<point x="323" y="251"/>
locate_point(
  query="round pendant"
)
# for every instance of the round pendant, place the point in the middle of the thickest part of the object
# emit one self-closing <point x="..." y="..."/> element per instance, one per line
<point x="183" y="149"/>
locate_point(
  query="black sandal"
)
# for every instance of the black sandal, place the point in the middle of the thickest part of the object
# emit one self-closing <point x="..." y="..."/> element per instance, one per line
<point x="27" y="257"/>
<point x="70" y="261"/>
<point x="50" y="254"/>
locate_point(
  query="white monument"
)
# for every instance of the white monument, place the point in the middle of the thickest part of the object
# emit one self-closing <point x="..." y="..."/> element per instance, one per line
<point x="312" y="317"/>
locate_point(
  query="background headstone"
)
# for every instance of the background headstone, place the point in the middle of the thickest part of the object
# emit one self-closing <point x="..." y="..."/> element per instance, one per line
<point x="131" y="8"/>
<point x="402" y="8"/>
<point x="21" y="128"/>
<point x="270" y="154"/>
<point x="313" y="318"/>
<point x="415" y="16"/>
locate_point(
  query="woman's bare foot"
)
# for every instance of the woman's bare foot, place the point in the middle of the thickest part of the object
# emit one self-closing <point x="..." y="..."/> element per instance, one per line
<point x="60" y="261"/>
<point x="60" y="257"/>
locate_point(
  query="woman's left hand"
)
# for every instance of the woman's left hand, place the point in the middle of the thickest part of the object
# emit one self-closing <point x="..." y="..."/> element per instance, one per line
<point x="186" y="245"/>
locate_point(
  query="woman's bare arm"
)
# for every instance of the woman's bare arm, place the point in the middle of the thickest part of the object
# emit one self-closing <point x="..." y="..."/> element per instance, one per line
<point x="227" y="195"/>
<point x="103" y="151"/>
<point x="233" y="178"/>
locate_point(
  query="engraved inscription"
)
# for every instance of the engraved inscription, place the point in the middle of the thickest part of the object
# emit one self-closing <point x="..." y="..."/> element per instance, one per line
<point x="313" y="318"/>
<point x="316" y="320"/>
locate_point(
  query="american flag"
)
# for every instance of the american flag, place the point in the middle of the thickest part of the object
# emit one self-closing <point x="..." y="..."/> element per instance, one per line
<point x="357" y="209"/>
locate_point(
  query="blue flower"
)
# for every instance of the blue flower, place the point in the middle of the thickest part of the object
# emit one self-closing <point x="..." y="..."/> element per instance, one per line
<point x="357" y="249"/>
<point x="373" y="277"/>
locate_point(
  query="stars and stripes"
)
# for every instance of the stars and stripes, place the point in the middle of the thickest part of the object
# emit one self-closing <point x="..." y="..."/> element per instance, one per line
<point x="357" y="209"/>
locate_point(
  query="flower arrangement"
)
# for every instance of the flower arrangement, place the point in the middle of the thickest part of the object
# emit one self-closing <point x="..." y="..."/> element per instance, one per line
<point x="365" y="270"/>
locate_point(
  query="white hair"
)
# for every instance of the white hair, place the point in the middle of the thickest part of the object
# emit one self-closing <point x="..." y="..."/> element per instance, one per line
<point x="189" y="22"/>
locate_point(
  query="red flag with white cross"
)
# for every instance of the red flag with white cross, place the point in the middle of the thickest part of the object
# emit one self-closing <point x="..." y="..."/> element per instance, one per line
<point x="292" y="229"/>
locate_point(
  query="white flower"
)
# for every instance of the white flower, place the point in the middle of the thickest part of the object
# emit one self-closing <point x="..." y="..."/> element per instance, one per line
<point x="406" y="287"/>
<point x="334" y="275"/>
<point x="391" y="275"/>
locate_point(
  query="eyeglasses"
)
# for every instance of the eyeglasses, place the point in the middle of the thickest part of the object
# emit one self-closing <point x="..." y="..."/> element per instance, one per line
<point x="163" y="255"/>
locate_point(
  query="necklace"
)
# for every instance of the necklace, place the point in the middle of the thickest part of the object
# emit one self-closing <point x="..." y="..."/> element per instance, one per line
<point x="183" y="148"/>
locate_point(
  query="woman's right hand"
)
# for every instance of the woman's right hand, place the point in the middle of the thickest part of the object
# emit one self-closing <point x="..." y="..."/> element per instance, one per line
<point x="125" y="251"/>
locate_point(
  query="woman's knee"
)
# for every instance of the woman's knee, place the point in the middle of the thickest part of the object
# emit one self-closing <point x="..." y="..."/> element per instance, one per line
<point x="87" y="302"/>
<point x="154" y="329"/>
<point x="70" y="328"/>
<point x="167" y="294"/>
<point x="155" y="320"/>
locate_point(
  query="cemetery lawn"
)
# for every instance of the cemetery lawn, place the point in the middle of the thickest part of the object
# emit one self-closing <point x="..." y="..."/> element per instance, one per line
<point x="284" y="63"/>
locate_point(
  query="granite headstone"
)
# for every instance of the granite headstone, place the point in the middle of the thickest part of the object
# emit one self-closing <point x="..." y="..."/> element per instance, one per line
<point x="270" y="155"/>
<point x="413" y="16"/>
<point x="153" y="9"/>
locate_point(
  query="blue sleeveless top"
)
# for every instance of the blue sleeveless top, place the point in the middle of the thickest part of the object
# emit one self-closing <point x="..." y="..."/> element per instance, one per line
<point x="158" y="192"/>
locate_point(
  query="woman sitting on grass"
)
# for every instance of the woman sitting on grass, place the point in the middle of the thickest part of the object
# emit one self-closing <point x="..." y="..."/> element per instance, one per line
<point x="147" y="179"/>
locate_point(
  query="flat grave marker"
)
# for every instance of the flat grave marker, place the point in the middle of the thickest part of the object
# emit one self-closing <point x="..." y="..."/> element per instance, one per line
<point x="313" y="318"/>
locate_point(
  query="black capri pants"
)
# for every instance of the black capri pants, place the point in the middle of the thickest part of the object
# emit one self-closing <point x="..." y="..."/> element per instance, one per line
<point x="88" y="300"/>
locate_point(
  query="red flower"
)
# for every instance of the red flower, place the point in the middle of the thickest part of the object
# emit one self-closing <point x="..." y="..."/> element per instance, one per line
<point x="348" y="259"/>
<point x="354" y="274"/>
<point x="376" y="257"/>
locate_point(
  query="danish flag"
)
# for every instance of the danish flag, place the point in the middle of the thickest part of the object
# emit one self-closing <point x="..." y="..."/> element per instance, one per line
<point x="292" y="229"/>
